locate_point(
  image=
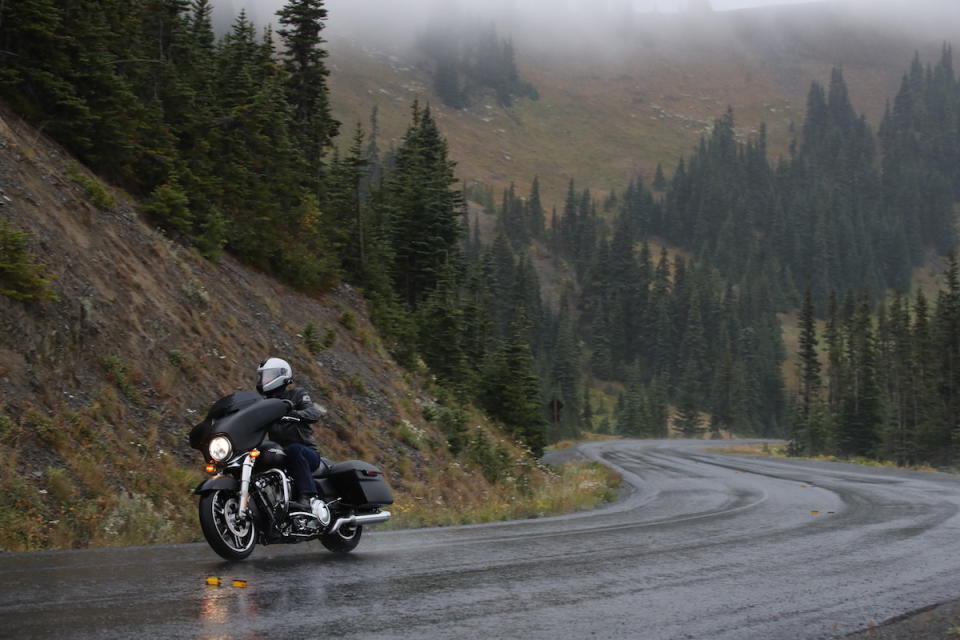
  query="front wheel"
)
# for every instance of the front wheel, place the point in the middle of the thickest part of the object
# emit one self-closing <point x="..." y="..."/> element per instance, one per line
<point x="230" y="536"/>
<point x="344" y="540"/>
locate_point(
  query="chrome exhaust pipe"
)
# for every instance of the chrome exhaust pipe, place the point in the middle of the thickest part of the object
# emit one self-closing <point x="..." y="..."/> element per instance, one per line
<point x="370" y="518"/>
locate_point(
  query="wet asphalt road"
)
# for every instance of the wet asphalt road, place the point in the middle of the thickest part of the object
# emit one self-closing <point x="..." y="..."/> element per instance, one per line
<point x="708" y="546"/>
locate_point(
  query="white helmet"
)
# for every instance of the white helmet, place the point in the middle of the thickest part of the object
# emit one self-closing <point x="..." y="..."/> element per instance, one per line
<point x="273" y="374"/>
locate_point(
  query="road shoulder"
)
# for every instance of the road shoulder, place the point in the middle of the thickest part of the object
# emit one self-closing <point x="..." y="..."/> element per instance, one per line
<point x="936" y="622"/>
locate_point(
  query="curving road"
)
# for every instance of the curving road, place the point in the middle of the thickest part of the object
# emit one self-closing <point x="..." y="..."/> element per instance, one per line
<point x="707" y="546"/>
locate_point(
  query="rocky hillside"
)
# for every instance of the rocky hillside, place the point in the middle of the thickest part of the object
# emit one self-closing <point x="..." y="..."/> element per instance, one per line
<point x="99" y="388"/>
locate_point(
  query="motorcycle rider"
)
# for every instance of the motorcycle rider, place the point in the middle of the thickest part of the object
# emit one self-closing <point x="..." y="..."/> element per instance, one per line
<point x="274" y="379"/>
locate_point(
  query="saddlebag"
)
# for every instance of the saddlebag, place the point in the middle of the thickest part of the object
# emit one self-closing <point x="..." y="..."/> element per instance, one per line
<point x="360" y="484"/>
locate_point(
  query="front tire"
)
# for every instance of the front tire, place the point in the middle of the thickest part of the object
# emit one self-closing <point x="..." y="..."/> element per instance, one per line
<point x="343" y="541"/>
<point x="226" y="534"/>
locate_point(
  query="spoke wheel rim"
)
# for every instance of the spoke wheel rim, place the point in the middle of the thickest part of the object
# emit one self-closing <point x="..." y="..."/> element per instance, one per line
<point x="235" y="534"/>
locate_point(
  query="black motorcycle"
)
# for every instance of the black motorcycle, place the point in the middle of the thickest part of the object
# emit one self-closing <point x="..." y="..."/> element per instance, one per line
<point x="248" y="499"/>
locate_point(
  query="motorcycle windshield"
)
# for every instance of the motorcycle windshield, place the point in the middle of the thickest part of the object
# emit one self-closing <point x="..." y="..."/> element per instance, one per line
<point x="247" y="427"/>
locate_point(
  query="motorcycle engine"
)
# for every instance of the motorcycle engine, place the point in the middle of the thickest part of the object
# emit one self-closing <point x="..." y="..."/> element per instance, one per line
<point x="270" y="496"/>
<point x="270" y="492"/>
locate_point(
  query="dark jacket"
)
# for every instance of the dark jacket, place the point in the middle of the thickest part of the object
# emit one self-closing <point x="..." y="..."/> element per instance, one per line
<point x="287" y="432"/>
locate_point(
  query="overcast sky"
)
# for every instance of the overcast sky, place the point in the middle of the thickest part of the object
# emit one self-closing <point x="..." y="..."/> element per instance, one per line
<point x="265" y="8"/>
<point x="939" y="18"/>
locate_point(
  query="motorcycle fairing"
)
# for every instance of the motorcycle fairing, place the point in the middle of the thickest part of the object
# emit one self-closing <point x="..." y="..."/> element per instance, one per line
<point x="247" y="427"/>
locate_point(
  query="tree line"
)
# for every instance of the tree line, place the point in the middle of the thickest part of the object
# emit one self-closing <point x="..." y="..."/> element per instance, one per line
<point x="667" y="329"/>
<point x="882" y="385"/>
<point x="847" y="209"/>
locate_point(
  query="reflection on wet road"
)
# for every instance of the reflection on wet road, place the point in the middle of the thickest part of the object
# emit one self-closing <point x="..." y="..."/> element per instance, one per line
<point x="707" y="546"/>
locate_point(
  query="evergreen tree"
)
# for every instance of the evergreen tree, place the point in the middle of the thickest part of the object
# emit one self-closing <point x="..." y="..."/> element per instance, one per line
<point x="423" y="210"/>
<point x="808" y="438"/>
<point x="511" y="391"/>
<point x="306" y="87"/>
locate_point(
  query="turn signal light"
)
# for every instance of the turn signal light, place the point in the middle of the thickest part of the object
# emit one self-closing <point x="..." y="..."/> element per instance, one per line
<point x="210" y="468"/>
<point x="255" y="453"/>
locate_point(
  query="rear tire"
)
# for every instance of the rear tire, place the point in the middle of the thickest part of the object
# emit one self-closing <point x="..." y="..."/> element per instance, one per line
<point x="343" y="541"/>
<point x="230" y="537"/>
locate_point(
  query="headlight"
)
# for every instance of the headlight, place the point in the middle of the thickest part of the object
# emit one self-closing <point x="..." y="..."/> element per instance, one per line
<point x="220" y="448"/>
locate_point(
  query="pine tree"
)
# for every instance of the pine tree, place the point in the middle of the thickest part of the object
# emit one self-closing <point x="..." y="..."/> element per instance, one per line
<point x="861" y="403"/>
<point x="808" y="438"/>
<point x="511" y="391"/>
<point x="440" y="326"/>
<point x="659" y="180"/>
<point x="313" y="127"/>
<point x="350" y="215"/>
<point x="422" y="209"/>
<point x="535" y="216"/>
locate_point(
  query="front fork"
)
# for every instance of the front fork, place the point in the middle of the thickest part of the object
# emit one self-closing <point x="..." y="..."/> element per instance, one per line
<point x="245" y="475"/>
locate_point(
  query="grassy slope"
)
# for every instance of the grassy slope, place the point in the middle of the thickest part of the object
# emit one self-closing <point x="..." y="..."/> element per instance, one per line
<point x="604" y="117"/>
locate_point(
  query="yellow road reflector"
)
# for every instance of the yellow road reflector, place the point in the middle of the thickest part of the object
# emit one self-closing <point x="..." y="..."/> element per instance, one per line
<point x="213" y="581"/>
<point x="815" y="512"/>
<point x="803" y="486"/>
<point x="240" y="584"/>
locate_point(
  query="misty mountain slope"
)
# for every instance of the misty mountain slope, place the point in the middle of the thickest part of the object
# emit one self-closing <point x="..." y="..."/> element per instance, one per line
<point x="615" y="103"/>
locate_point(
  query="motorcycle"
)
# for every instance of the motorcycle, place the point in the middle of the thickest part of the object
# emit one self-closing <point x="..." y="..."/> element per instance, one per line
<point x="248" y="498"/>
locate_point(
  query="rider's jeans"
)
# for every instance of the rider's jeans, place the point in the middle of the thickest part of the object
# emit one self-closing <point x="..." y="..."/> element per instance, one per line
<point x="301" y="461"/>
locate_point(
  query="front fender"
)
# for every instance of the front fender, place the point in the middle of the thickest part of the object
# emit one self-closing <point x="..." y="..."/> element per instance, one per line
<point x="217" y="483"/>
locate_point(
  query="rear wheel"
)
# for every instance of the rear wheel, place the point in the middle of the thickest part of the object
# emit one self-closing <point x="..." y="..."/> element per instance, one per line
<point x="344" y="540"/>
<point x="229" y="535"/>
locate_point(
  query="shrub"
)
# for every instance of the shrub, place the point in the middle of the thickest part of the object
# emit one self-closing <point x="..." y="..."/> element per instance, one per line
<point x="59" y="484"/>
<point x="10" y="431"/>
<point x="349" y="321"/>
<point x="195" y="292"/>
<point x="117" y="372"/>
<point x="96" y="192"/>
<point x="213" y="235"/>
<point x="492" y="458"/>
<point x="177" y="358"/>
<point x="311" y="339"/>
<point x="409" y="434"/>
<point x="169" y="206"/>
<point x="453" y="423"/>
<point x="329" y="338"/>
<point x="355" y="382"/>
<point x="21" y="277"/>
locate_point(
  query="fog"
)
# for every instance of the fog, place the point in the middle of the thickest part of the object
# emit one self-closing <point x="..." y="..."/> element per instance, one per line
<point x="546" y="24"/>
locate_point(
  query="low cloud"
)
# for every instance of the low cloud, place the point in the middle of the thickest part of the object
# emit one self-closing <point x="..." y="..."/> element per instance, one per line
<point x="605" y="24"/>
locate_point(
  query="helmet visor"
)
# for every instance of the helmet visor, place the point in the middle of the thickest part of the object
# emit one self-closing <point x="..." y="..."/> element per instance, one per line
<point x="266" y="376"/>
